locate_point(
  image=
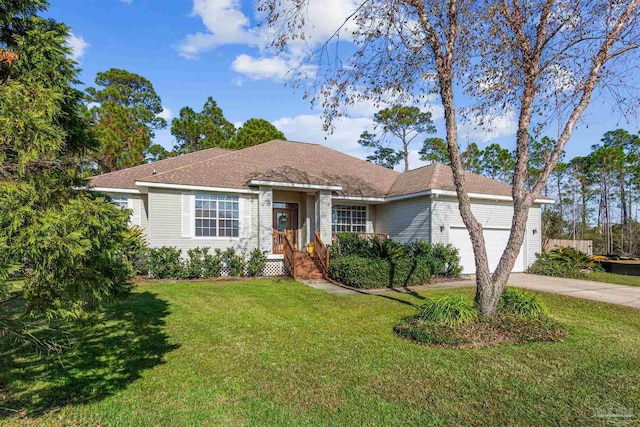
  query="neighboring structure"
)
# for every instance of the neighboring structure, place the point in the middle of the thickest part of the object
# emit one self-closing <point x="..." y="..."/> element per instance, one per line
<point x="251" y="198"/>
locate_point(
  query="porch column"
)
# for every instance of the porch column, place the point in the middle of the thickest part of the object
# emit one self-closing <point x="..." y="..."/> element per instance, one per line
<point x="265" y="219"/>
<point x="323" y="215"/>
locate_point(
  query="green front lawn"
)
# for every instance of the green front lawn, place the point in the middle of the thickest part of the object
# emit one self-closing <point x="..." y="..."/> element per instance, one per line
<point x="617" y="279"/>
<point x="275" y="352"/>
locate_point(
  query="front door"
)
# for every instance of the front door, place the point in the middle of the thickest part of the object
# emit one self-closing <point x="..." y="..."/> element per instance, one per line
<point x="285" y="220"/>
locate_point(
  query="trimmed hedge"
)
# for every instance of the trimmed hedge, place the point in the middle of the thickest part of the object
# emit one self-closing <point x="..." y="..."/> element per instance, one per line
<point x="368" y="273"/>
<point x="375" y="263"/>
<point x="167" y="263"/>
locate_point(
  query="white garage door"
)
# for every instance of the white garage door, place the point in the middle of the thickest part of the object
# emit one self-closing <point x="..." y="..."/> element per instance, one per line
<point x="495" y="241"/>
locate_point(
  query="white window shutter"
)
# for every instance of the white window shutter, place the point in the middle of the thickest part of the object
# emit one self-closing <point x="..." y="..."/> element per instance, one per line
<point x="244" y="206"/>
<point x="188" y="207"/>
<point x="136" y="214"/>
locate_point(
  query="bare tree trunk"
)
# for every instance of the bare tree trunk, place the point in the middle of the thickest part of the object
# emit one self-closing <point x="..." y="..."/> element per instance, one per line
<point x="560" y="201"/>
<point x="489" y="287"/>
<point x="405" y="147"/>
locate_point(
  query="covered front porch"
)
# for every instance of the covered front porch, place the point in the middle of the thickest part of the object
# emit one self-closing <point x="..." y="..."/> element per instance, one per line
<point x="289" y="218"/>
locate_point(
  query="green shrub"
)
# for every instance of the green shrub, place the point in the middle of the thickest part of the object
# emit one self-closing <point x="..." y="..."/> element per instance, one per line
<point x="194" y="265"/>
<point x="350" y="244"/>
<point x="368" y="273"/>
<point x="257" y="262"/>
<point x="79" y="254"/>
<point x="360" y="272"/>
<point x="445" y="260"/>
<point x="212" y="264"/>
<point x="562" y="262"/>
<point x="438" y="259"/>
<point x="385" y="249"/>
<point x="522" y="303"/>
<point x="449" y="310"/>
<point x="165" y="263"/>
<point x="442" y="259"/>
<point x="137" y="250"/>
<point x="235" y="262"/>
<point x="409" y="271"/>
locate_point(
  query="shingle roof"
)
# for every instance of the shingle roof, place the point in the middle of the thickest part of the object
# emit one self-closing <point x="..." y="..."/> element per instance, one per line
<point x="126" y="178"/>
<point x="440" y="177"/>
<point x="233" y="170"/>
<point x="295" y="162"/>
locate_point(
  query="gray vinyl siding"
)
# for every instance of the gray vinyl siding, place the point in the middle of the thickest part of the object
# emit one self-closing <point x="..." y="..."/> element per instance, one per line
<point x="491" y="215"/>
<point x="371" y="218"/>
<point x="165" y="216"/>
<point x="405" y="220"/>
<point x="534" y="242"/>
<point x="310" y="221"/>
<point x="144" y="212"/>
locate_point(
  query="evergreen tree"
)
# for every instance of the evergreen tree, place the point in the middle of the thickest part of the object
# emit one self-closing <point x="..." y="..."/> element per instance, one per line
<point x="206" y="129"/>
<point x="399" y="125"/>
<point x="254" y="132"/>
<point x="71" y="244"/>
<point x="125" y="118"/>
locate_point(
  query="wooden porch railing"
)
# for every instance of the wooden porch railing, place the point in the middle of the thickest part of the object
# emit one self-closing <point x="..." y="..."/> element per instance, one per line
<point x="289" y="254"/>
<point x="365" y="236"/>
<point x="278" y="240"/>
<point x="322" y="252"/>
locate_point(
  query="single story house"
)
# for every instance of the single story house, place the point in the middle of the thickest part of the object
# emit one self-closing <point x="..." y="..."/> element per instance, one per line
<point x="250" y="198"/>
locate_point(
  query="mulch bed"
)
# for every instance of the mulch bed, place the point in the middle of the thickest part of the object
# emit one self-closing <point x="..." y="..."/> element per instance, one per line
<point x="486" y="332"/>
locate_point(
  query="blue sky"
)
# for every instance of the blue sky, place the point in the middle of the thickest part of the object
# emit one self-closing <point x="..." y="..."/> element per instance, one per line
<point x="192" y="49"/>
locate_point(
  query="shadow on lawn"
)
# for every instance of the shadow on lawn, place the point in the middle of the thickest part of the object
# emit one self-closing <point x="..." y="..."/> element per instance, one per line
<point x="103" y="358"/>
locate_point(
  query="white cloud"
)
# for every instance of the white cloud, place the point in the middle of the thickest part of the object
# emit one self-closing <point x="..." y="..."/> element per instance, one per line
<point x="126" y="1"/>
<point x="225" y="24"/>
<point x="308" y="128"/>
<point x="78" y="45"/>
<point x="261" y="68"/>
<point x="166" y="114"/>
<point x="484" y="128"/>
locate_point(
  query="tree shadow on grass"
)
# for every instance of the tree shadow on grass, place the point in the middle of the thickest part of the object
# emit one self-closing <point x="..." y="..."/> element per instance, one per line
<point x="102" y="359"/>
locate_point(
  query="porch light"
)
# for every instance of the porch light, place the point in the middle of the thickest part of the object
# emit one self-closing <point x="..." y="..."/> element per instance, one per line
<point x="535" y="231"/>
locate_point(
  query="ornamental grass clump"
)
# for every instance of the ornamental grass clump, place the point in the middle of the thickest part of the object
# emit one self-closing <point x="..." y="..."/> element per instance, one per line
<point x="448" y="310"/>
<point x="522" y="303"/>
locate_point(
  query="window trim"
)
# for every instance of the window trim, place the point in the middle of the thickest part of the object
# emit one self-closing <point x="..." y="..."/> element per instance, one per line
<point x="238" y="203"/>
<point x="350" y="207"/>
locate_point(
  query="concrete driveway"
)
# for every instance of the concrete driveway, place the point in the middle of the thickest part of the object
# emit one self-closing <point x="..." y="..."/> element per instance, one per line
<point x="596" y="291"/>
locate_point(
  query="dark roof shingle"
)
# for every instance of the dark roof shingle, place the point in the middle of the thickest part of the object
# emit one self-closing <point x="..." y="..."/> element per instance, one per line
<point x="295" y="162"/>
<point x="126" y="178"/>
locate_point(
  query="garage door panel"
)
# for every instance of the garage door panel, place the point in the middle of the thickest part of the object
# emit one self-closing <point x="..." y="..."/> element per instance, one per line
<point x="495" y="242"/>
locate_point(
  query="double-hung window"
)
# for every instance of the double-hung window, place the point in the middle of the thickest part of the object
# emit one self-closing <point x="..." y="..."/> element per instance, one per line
<point x="120" y="200"/>
<point x="217" y="215"/>
<point x="351" y="219"/>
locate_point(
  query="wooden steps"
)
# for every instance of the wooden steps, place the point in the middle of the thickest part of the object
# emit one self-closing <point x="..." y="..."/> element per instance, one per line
<point x="307" y="267"/>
